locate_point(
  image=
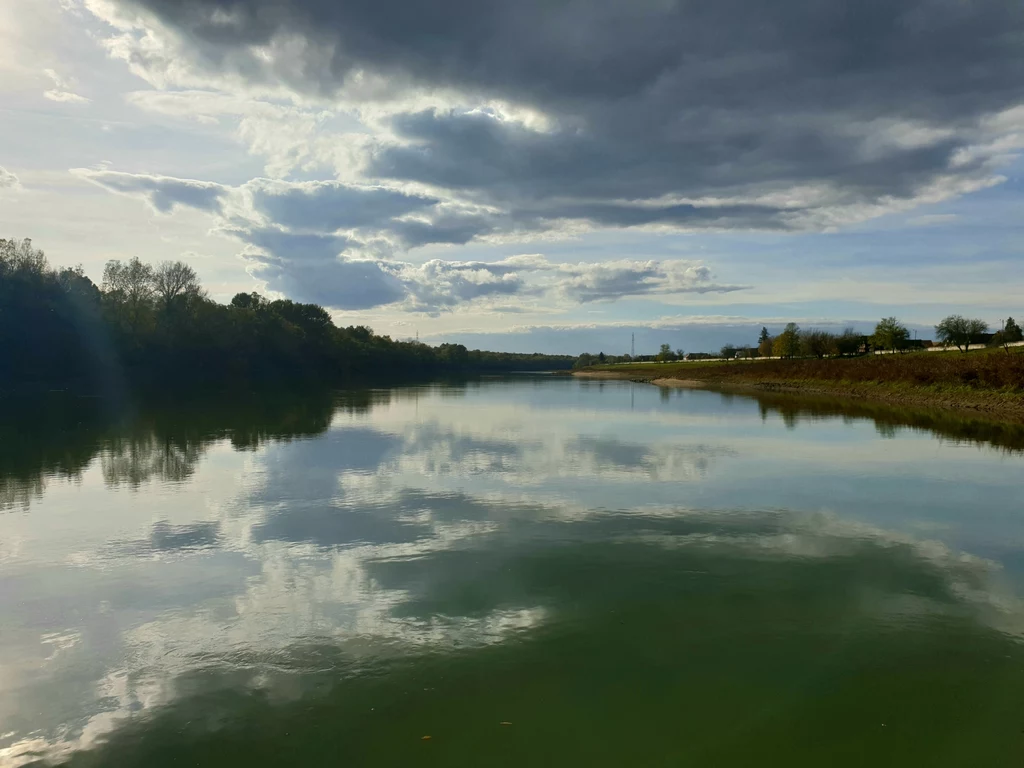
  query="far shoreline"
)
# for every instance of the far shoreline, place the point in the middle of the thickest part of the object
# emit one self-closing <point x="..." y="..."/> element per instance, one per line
<point x="719" y="377"/>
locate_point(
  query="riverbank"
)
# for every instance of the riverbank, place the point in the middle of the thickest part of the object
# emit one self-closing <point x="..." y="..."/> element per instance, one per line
<point x="990" y="382"/>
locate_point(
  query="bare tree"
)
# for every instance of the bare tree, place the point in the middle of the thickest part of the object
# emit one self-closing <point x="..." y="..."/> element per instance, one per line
<point x="20" y="256"/>
<point x="818" y="343"/>
<point x="960" y="331"/>
<point x="130" y="286"/>
<point x="173" y="280"/>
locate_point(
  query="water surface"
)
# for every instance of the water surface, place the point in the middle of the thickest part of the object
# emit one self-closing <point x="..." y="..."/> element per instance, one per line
<point x="537" y="571"/>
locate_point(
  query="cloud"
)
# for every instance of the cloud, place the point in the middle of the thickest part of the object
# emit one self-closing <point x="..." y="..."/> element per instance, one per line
<point x="286" y="136"/>
<point x="62" y="90"/>
<point x="736" y="115"/>
<point x="440" y="284"/>
<point x="333" y="243"/>
<point x="330" y="206"/>
<point x="613" y="280"/>
<point x="163" y="193"/>
<point x="315" y="268"/>
<point x="936" y="219"/>
<point x="8" y="180"/>
<point x="311" y="268"/>
<point x="328" y="270"/>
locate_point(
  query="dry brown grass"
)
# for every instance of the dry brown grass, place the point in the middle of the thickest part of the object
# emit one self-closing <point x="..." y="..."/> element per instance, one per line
<point x="984" y="370"/>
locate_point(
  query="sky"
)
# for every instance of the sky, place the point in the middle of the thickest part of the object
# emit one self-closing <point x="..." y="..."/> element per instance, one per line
<point x="543" y="175"/>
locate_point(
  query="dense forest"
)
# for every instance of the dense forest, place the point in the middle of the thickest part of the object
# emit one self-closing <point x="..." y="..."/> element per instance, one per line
<point x="156" y="327"/>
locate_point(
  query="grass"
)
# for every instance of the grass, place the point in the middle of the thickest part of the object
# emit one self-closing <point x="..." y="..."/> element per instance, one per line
<point x="990" y="379"/>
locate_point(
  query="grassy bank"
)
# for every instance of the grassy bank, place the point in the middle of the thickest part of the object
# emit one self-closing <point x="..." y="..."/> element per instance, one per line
<point x="988" y="380"/>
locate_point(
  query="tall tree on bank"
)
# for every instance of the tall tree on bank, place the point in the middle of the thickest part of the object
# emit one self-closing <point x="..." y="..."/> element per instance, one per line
<point x="175" y="282"/>
<point x="1009" y="334"/>
<point x="960" y="331"/>
<point x="128" y="287"/>
<point x="891" y="334"/>
<point x="787" y="343"/>
<point x="1012" y="332"/>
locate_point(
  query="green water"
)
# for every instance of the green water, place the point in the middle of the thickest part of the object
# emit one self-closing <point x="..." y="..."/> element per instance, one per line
<point x="537" y="571"/>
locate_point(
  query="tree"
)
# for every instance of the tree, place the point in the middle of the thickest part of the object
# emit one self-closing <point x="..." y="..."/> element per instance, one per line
<point x="600" y="357"/>
<point x="457" y="354"/>
<point x="1012" y="332"/>
<point x="666" y="353"/>
<point x="1009" y="334"/>
<point x="960" y="331"/>
<point x="890" y="333"/>
<point x="764" y="347"/>
<point x="311" y="318"/>
<point x="849" y="341"/>
<point x="247" y="301"/>
<point x="818" y="343"/>
<point x="787" y="343"/>
<point x="728" y="352"/>
<point x="765" y="336"/>
<point x="584" y="361"/>
<point x="130" y="287"/>
<point x="58" y="330"/>
<point x="175" y="281"/>
<point x="20" y="256"/>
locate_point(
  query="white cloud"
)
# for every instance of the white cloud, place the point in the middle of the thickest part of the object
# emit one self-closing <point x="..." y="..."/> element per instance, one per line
<point x="8" y="180"/>
<point x="163" y="193"/>
<point x="331" y="243"/>
<point x="615" y="279"/>
<point x="63" y="89"/>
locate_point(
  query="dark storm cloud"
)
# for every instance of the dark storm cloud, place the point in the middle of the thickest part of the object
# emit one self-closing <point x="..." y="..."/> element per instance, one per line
<point x="920" y="57"/>
<point x="328" y="206"/>
<point x="872" y="101"/>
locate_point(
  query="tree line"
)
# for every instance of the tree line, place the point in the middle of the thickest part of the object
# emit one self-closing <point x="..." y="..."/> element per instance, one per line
<point x="890" y="335"/>
<point x="156" y="326"/>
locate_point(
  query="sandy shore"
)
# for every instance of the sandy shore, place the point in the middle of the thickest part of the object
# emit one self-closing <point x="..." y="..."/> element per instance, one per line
<point x="602" y="375"/>
<point x="683" y="383"/>
<point x="661" y="382"/>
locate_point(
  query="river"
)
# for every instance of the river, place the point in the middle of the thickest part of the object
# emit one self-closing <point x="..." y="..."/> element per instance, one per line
<point x="524" y="571"/>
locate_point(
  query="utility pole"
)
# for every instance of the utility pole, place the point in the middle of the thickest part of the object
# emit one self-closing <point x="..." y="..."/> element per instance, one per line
<point x="632" y="345"/>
